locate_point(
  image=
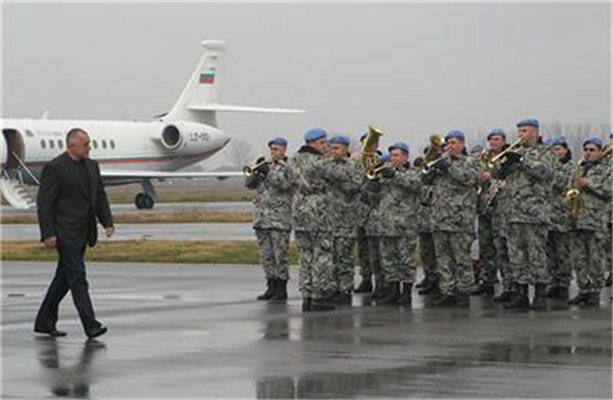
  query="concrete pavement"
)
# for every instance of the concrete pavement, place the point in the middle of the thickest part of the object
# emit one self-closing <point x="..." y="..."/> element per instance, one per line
<point x="178" y="331"/>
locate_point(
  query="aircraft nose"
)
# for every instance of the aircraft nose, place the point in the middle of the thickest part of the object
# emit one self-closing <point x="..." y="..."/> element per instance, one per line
<point x="223" y="138"/>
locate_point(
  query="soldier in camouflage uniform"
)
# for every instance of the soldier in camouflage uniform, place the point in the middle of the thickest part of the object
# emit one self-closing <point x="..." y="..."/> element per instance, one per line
<point x="589" y="228"/>
<point x="608" y="161"/>
<point x="454" y="179"/>
<point x="364" y="259"/>
<point x="528" y="174"/>
<point x="343" y="198"/>
<point x="429" y="285"/>
<point x="311" y="220"/>
<point x="399" y="186"/>
<point x="272" y="220"/>
<point x="558" y="239"/>
<point x="490" y="220"/>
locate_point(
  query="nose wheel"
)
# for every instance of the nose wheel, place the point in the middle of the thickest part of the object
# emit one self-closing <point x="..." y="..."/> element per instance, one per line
<point x="144" y="201"/>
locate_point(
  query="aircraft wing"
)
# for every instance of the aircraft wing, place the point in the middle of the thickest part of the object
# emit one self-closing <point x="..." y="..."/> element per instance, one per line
<point x="127" y="174"/>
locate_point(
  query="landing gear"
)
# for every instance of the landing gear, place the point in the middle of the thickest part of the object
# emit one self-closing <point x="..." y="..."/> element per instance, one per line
<point x="144" y="201"/>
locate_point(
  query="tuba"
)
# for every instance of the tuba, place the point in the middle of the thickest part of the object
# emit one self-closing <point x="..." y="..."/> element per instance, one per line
<point x="435" y="149"/>
<point x="249" y="170"/>
<point x="370" y="158"/>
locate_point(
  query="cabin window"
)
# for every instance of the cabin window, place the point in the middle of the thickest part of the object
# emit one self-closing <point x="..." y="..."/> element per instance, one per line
<point x="103" y="143"/>
<point x="51" y="144"/>
<point x="60" y="144"/>
<point x="95" y="144"/>
<point x="43" y="144"/>
<point x="112" y="142"/>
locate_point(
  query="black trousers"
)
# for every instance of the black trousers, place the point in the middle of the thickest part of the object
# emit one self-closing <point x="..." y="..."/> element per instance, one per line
<point x="69" y="275"/>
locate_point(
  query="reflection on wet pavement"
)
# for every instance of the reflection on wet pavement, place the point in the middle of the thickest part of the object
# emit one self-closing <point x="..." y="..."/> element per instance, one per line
<point x="197" y="332"/>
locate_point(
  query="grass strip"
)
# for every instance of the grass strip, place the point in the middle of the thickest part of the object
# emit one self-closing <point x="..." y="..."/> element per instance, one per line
<point x="147" y="217"/>
<point x="150" y="251"/>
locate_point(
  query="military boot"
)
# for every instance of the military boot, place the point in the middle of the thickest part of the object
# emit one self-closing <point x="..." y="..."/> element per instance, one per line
<point x="270" y="290"/>
<point x="463" y="300"/>
<point x="540" y="297"/>
<point x="365" y="285"/>
<point x="519" y="299"/>
<point x="424" y="282"/>
<point x="392" y="295"/>
<point x="343" y="299"/>
<point x="552" y="292"/>
<point x="593" y="300"/>
<point x="406" y="299"/>
<point x="380" y="291"/>
<point x="506" y="295"/>
<point x="446" y="300"/>
<point x="280" y="294"/>
<point x="431" y="289"/>
<point x="321" y="305"/>
<point x="579" y="299"/>
<point x="306" y="304"/>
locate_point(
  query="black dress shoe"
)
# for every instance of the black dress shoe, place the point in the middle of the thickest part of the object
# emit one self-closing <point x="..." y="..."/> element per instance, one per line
<point x="97" y="332"/>
<point x="51" y="332"/>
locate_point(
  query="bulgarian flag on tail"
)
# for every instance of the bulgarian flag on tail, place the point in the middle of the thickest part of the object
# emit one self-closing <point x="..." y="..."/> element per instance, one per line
<point x="207" y="77"/>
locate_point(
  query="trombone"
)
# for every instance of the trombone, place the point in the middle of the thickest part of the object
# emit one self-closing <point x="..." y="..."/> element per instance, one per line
<point x="249" y="170"/>
<point x="499" y="156"/>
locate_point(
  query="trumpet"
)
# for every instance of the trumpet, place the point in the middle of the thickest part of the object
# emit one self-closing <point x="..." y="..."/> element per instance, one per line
<point x="435" y="162"/>
<point x="373" y="173"/>
<point x="249" y="170"/>
<point x="516" y="144"/>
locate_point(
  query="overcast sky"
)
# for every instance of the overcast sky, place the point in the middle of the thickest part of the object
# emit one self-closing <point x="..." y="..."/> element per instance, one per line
<point x="412" y="69"/>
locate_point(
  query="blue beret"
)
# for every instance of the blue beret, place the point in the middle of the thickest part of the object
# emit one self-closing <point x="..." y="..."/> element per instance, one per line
<point x="595" y="141"/>
<point x="496" y="132"/>
<point x="400" y="146"/>
<point x="454" y="134"/>
<point x="278" y="141"/>
<point x="340" y="139"/>
<point x="558" y="141"/>
<point x="385" y="158"/>
<point x="528" y="122"/>
<point x="315" y="134"/>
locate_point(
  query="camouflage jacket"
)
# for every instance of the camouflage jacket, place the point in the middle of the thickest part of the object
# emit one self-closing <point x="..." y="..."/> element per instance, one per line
<point x="562" y="173"/>
<point x="370" y="198"/>
<point x="528" y="186"/>
<point x="310" y="208"/>
<point x="454" y="195"/>
<point x="273" y="197"/>
<point x="343" y="196"/>
<point x="595" y="198"/>
<point x="424" y="208"/>
<point x="398" y="203"/>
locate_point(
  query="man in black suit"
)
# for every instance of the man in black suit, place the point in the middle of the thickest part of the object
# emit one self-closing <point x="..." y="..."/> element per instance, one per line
<point x="70" y="197"/>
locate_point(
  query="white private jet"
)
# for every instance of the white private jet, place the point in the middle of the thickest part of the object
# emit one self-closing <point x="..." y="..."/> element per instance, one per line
<point x="129" y="151"/>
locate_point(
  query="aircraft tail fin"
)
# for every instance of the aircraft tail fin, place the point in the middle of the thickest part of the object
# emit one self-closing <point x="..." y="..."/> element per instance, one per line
<point x="199" y="100"/>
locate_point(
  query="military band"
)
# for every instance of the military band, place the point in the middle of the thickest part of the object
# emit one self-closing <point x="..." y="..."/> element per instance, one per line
<point x="539" y="217"/>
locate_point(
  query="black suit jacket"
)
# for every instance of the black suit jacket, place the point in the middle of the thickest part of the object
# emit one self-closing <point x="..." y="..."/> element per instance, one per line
<point x="67" y="208"/>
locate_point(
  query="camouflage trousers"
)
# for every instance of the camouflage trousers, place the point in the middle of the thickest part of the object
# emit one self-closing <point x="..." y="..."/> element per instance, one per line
<point x="559" y="258"/>
<point x="455" y="270"/>
<point x="426" y="253"/>
<point x="274" y="246"/>
<point x="316" y="263"/>
<point x="398" y="257"/>
<point x="499" y="236"/>
<point x="374" y="257"/>
<point x="363" y="258"/>
<point x="589" y="262"/>
<point x="487" y="251"/>
<point x="527" y="259"/>
<point x="606" y="245"/>
<point x="342" y="273"/>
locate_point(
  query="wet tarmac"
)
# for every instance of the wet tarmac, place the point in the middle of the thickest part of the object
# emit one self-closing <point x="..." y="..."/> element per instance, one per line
<point x="178" y="231"/>
<point x="178" y="331"/>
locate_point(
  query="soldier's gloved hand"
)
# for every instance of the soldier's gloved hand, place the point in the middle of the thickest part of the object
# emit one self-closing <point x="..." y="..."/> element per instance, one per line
<point x="260" y="160"/>
<point x="509" y="163"/>
<point x="388" y="173"/>
<point x="264" y="169"/>
<point x="444" y="164"/>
